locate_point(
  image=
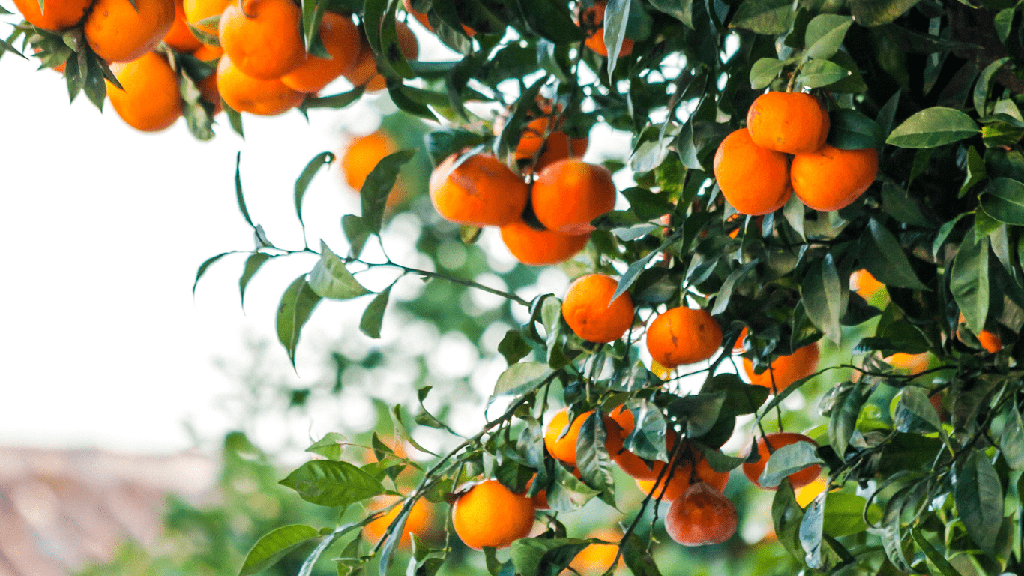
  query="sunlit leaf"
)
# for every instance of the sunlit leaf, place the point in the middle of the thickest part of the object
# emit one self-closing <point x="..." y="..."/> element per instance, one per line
<point x="296" y="306"/>
<point x="275" y="545"/>
<point x="933" y="127"/>
<point x="332" y="483"/>
<point x="330" y="279"/>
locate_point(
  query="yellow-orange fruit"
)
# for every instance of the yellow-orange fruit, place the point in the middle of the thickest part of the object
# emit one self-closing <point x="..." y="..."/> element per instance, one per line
<point x="592" y="23"/>
<point x="341" y="39"/>
<point x="785" y="370"/>
<point x="591" y="313"/>
<point x="56" y="14"/>
<point x="988" y="339"/>
<point x="556" y="146"/>
<point x="753" y="179"/>
<point x="120" y="32"/>
<point x="198" y="11"/>
<point x="180" y="37"/>
<point x="418" y="522"/>
<point x="830" y="178"/>
<point x="563" y="446"/>
<point x="478" y="191"/>
<point x="701" y="516"/>
<point x="683" y="336"/>
<point x="149" y="100"/>
<point x="569" y="193"/>
<point x="540" y="247"/>
<point x="790" y="122"/>
<point x="247" y="94"/>
<point x="596" y="559"/>
<point x="361" y="156"/>
<point x="490" y="515"/>
<point x="265" y="40"/>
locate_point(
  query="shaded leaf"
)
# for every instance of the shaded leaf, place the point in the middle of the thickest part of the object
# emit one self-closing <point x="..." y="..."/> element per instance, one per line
<point x="302" y="182"/>
<point x="823" y="297"/>
<point x="373" y="317"/>
<point x="274" y="545"/>
<point x="377" y="186"/>
<point x="969" y="281"/>
<point x="1003" y="199"/>
<point x="879" y="12"/>
<point x="824" y="35"/>
<point x="297" y="304"/>
<point x="978" y="494"/>
<point x="772" y="17"/>
<point x="819" y="73"/>
<point x="252" y="265"/>
<point x="544" y="556"/>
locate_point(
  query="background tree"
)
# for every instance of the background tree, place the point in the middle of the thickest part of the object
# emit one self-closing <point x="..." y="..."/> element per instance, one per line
<point x="743" y="232"/>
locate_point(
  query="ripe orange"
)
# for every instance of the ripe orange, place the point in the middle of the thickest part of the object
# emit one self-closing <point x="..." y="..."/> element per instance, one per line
<point x="790" y="122"/>
<point x="753" y="179"/>
<point x="988" y="339"/>
<point x="341" y="38"/>
<point x="563" y="446"/>
<point x="807" y="493"/>
<point x="478" y="191"/>
<point x="56" y="14"/>
<point x="361" y="156"/>
<point x="208" y="53"/>
<point x="740" y="344"/>
<point x="149" y="101"/>
<point x="785" y="370"/>
<point x="556" y="145"/>
<point x="635" y="466"/>
<point x="908" y="363"/>
<point x="592" y="23"/>
<point x="118" y="32"/>
<point x="701" y="516"/>
<point x="596" y="559"/>
<point x="264" y="41"/>
<point x="247" y="94"/>
<point x="683" y="336"/>
<point x="490" y="515"/>
<point x="829" y="178"/>
<point x="766" y="446"/>
<point x="364" y="73"/>
<point x="540" y="247"/>
<point x="683" y="477"/>
<point x="196" y="11"/>
<point x="180" y="37"/>
<point x="540" y="499"/>
<point x="569" y="193"/>
<point x="208" y="89"/>
<point x="418" y="522"/>
<point x="589" y="311"/>
<point x="866" y="286"/>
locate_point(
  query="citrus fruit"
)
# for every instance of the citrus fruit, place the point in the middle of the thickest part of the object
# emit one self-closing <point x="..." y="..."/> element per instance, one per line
<point x="785" y="370"/>
<point x="478" y="190"/>
<point x="830" y="178"/>
<point x="364" y="73"/>
<point x="418" y="521"/>
<point x="988" y="339"/>
<point x="209" y="92"/>
<point x="205" y="14"/>
<point x="540" y="499"/>
<point x="908" y="363"/>
<point x="766" y="446"/>
<point x="263" y="37"/>
<point x="683" y="336"/>
<point x="691" y="467"/>
<point x="753" y="179"/>
<point x="341" y="39"/>
<point x="701" y="516"/>
<point x="634" y="465"/>
<point x="867" y="287"/>
<point x="361" y="156"/>
<point x="540" y="247"/>
<point x="149" y="100"/>
<point x="596" y="558"/>
<point x="790" y="122"/>
<point x="561" y="442"/>
<point x="537" y="142"/>
<point x="491" y="515"/>
<point x="569" y="193"/>
<point x="425" y="21"/>
<point x="591" y="313"/>
<point x="245" y="93"/>
<point x="808" y="492"/>
<point x="120" y="32"/>
<point x="592" y="23"/>
<point x="55" y="15"/>
<point x="207" y="53"/>
<point x="180" y="37"/>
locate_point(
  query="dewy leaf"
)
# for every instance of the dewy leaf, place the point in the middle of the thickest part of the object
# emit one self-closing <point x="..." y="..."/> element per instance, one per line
<point x="296" y="306"/>
<point x="1003" y="199"/>
<point x="824" y="35"/>
<point x="330" y="279"/>
<point x="377" y="186"/>
<point x="521" y="376"/>
<point x="772" y="17"/>
<point x="979" y="499"/>
<point x="933" y="127"/>
<point x="969" y="281"/>
<point x="302" y="182"/>
<point x="274" y="545"/>
<point x="332" y="483"/>
<point x="787" y="460"/>
<point x="373" y="316"/>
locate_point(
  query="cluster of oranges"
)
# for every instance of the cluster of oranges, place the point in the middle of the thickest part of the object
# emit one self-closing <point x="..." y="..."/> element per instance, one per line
<point x="782" y="151"/>
<point x="257" y="47"/>
<point x="545" y="208"/>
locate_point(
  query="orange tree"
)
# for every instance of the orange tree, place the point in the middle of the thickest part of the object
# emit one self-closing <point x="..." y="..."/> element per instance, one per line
<point x="892" y="148"/>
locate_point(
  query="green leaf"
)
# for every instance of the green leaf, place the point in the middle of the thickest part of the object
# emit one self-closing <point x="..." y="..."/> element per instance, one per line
<point x="592" y="459"/>
<point x="885" y="259"/>
<point x="521" y="377"/>
<point x="933" y="127"/>
<point x="879" y="12"/>
<point x="307" y="565"/>
<point x="787" y="460"/>
<point x="983" y="86"/>
<point x="786" y="518"/>
<point x="356" y="232"/>
<point x="544" y="556"/>
<point x="820" y="72"/>
<point x="1011" y="441"/>
<point x="681" y="10"/>
<point x="332" y="483"/>
<point x="824" y="297"/>
<point x="252" y="265"/>
<point x="239" y="197"/>
<point x="302" y="182"/>
<point x="969" y="281"/>
<point x="844" y="514"/>
<point x="329" y="446"/>
<point x="377" y="186"/>
<point x="915" y="400"/>
<point x="765" y="71"/>
<point x="443" y="143"/>
<point x="810" y="533"/>
<point x="740" y="398"/>
<point x="330" y="279"/>
<point x="843" y="419"/>
<point x="514" y="347"/>
<point x="771" y="17"/>
<point x="853" y="130"/>
<point x="1003" y="199"/>
<point x="549" y="20"/>
<point x="373" y="316"/>
<point x="637" y="556"/>
<point x="698" y="412"/>
<point x="206" y="266"/>
<point x="824" y="35"/>
<point x="616" y="16"/>
<point x="275" y="545"/>
<point x="933" y="555"/>
<point x="297" y="304"/>
<point x="978" y="494"/>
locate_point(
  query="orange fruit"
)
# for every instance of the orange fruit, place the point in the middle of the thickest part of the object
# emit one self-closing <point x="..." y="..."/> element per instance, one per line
<point x="149" y="100"/>
<point x="540" y="247"/>
<point x="364" y="73"/>
<point x="563" y="446"/>
<point x="341" y="38"/>
<point x="637" y="467"/>
<point x="865" y="285"/>
<point x="361" y="156"/>
<point x="988" y="339"/>
<point x="768" y="444"/>
<point x="118" y="32"/>
<point x="478" y="190"/>
<point x="753" y="179"/>
<point x="264" y="41"/>
<point x="829" y="178"/>
<point x="555" y="146"/>
<point x="418" y="522"/>
<point x="196" y="11"/>
<point x="596" y="559"/>
<point x="908" y="363"/>
<point x="785" y="370"/>
<point x="683" y="336"/>
<point x="490" y="515"/>
<point x="701" y="516"/>
<point x="790" y="122"/>
<point x="692" y="466"/>
<point x="569" y="193"/>
<point x="55" y="15"/>
<point x="740" y="344"/>
<point x="245" y="93"/>
<point x="591" y="313"/>
<point x="180" y="37"/>
<point x="208" y="53"/>
<point x="808" y="492"/>
<point x="540" y="499"/>
<point x="208" y="89"/>
<point x="592" y="23"/>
